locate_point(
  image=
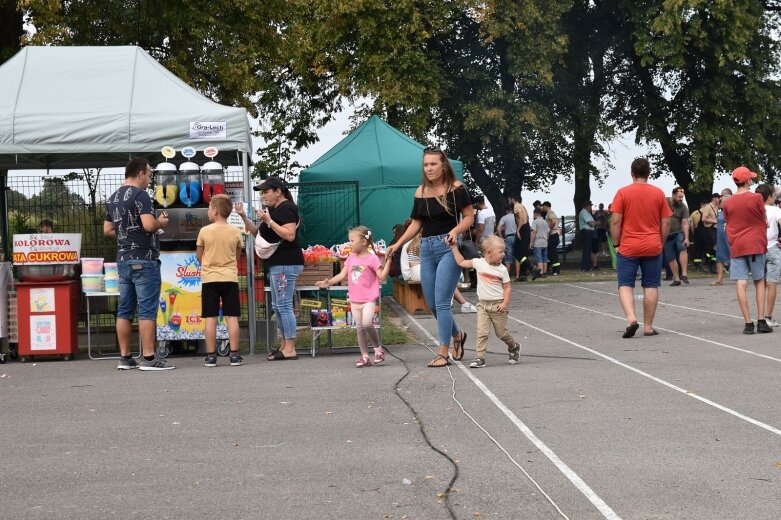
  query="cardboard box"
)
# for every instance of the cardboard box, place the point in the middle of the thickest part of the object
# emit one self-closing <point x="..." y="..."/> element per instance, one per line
<point x="314" y="273"/>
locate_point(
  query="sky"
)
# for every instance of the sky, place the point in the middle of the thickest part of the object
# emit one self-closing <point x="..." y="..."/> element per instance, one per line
<point x="622" y="152"/>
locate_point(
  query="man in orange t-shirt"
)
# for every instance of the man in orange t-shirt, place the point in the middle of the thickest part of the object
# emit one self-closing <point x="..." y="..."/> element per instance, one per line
<point x="639" y="226"/>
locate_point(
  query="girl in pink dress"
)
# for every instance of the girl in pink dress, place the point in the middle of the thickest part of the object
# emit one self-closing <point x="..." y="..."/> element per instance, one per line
<point x="364" y="273"/>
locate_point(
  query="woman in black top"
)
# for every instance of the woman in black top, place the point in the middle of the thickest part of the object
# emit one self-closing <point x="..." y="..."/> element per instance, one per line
<point x="441" y="211"/>
<point x="280" y="224"/>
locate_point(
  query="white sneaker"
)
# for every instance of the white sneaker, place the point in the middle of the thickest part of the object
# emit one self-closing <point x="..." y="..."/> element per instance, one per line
<point x="467" y="308"/>
<point x="771" y="322"/>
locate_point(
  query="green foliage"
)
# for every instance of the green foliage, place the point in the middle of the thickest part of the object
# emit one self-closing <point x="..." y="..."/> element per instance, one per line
<point x="217" y="47"/>
<point x="522" y="92"/>
<point x="54" y="194"/>
<point x="19" y="224"/>
<point x="15" y="198"/>
<point x="703" y="82"/>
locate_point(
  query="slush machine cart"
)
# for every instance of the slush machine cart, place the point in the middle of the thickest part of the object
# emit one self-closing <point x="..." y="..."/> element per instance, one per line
<point x="179" y="322"/>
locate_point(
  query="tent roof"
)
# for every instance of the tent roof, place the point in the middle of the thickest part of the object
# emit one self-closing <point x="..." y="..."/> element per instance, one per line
<point x="376" y="154"/>
<point x="63" y="107"/>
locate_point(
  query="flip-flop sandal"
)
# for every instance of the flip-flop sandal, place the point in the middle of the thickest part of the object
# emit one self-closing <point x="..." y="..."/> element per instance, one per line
<point x="631" y="329"/>
<point x="459" y="345"/>
<point x="653" y="332"/>
<point x="439" y="356"/>
<point x="717" y="283"/>
<point x="277" y="355"/>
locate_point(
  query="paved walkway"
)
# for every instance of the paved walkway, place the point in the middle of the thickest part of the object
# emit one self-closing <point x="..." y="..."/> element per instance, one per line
<point x="684" y="425"/>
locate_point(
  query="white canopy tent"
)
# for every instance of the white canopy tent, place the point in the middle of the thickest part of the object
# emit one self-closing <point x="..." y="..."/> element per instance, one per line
<point x="93" y="107"/>
<point x="64" y="107"/>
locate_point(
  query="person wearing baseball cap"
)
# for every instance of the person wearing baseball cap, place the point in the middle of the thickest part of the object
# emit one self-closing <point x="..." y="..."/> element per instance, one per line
<point x="271" y="183"/>
<point x="746" y="225"/>
<point x="741" y="174"/>
<point x="279" y="224"/>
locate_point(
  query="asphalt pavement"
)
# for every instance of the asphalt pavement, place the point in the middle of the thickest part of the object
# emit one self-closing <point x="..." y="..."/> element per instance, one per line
<point x="683" y="425"/>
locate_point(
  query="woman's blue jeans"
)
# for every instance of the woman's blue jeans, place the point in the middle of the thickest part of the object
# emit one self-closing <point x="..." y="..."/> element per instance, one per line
<point x="439" y="275"/>
<point x="283" y="285"/>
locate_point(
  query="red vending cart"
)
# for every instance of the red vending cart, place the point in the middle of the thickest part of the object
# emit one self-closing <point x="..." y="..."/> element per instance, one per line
<point x="48" y="318"/>
<point x="47" y="298"/>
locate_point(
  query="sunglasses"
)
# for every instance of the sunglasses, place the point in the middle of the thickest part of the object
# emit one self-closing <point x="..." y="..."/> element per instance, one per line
<point x="432" y="149"/>
<point x="679" y="190"/>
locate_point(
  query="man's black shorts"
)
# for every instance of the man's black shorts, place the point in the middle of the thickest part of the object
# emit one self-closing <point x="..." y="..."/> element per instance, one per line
<point x="522" y="245"/>
<point x="213" y="292"/>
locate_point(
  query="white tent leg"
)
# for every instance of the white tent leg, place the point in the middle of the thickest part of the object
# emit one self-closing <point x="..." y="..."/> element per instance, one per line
<point x="249" y="247"/>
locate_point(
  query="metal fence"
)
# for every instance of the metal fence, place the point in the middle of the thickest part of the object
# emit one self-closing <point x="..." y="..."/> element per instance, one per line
<point x="76" y="203"/>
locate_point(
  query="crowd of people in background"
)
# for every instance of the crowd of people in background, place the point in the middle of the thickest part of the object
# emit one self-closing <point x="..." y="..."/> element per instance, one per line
<point x="451" y="237"/>
<point x="702" y="237"/>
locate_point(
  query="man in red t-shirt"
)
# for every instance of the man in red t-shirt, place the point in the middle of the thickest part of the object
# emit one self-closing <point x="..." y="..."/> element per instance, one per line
<point x="639" y="225"/>
<point x="746" y="225"/>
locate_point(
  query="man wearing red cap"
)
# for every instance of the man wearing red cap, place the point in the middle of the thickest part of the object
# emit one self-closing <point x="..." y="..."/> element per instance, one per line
<point x="746" y="224"/>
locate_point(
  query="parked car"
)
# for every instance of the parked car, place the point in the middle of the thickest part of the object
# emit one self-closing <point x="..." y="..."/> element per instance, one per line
<point x="567" y="237"/>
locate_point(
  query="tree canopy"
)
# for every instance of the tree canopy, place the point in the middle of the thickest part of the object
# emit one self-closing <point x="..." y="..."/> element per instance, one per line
<point x="522" y="92"/>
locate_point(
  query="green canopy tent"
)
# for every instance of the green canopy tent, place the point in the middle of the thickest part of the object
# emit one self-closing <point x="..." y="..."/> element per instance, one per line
<point x="386" y="163"/>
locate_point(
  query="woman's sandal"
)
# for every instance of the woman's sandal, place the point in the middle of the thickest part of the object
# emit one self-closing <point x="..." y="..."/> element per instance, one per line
<point x="432" y="363"/>
<point x="717" y="283"/>
<point x="277" y="355"/>
<point x="459" y="346"/>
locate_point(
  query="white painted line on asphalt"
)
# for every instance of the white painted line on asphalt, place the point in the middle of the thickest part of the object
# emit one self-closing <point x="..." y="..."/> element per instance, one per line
<point x="690" y="336"/>
<point x="573" y="477"/>
<point x="660" y="302"/>
<point x="714" y="404"/>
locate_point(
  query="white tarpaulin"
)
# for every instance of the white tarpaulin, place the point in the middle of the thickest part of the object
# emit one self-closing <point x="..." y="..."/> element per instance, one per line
<point x="65" y="107"/>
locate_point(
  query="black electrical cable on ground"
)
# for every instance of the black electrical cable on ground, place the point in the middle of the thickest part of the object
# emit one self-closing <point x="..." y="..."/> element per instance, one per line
<point x="463" y="410"/>
<point x="425" y="435"/>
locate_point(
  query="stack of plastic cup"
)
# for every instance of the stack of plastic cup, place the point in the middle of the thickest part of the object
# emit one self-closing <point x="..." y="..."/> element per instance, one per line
<point x="111" y="277"/>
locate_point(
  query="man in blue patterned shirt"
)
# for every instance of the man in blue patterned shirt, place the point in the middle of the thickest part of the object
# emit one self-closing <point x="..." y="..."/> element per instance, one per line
<point x="130" y="219"/>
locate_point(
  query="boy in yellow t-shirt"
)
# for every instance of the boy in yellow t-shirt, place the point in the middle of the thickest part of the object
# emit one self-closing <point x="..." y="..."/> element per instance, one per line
<point x="218" y="246"/>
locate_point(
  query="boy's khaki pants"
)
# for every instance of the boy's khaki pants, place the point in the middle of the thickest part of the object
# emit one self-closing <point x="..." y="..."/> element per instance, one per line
<point x="488" y="313"/>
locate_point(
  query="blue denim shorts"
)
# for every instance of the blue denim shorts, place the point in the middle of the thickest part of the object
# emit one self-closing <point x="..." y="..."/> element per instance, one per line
<point x="773" y="265"/>
<point x="541" y="255"/>
<point x="509" y="249"/>
<point x="673" y="245"/>
<point x="139" y="285"/>
<point x="739" y="267"/>
<point x="650" y="266"/>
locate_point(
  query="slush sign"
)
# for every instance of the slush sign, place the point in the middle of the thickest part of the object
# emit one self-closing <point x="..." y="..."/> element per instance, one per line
<point x="208" y="130"/>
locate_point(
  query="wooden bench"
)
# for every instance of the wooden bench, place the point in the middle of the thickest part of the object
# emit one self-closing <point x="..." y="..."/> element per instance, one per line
<point x="410" y="296"/>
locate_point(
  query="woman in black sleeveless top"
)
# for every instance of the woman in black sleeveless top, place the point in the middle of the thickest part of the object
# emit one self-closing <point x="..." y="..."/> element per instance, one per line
<point x="441" y="211"/>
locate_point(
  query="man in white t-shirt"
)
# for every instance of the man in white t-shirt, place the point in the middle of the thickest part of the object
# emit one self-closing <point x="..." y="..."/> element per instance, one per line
<point x="486" y="219"/>
<point x="493" y="290"/>
<point x="773" y="258"/>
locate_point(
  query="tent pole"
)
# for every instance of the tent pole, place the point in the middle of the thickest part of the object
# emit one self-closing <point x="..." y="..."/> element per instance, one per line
<point x="5" y="247"/>
<point x="250" y="251"/>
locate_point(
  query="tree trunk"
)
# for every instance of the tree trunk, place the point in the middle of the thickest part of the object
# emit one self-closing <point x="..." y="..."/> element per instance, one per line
<point x="581" y="159"/>
<point x="490" y="189"/>
<point x="11" y="29"/>
<point x="677" y="160"/>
